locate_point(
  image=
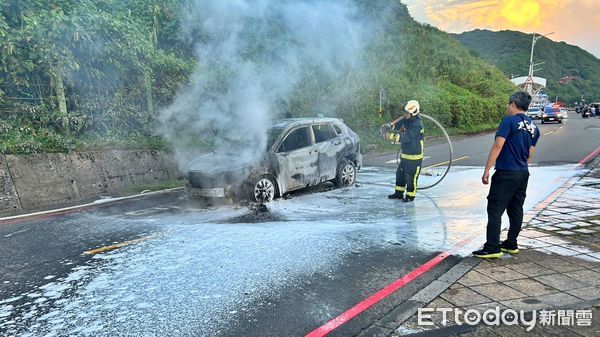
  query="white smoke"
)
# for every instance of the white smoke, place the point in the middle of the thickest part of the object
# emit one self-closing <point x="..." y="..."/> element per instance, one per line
<point x="251" y="55"/>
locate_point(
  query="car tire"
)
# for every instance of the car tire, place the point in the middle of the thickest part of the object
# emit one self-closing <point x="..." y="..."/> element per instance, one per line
<point x="560" y="121"/>
<point x="346" y="175"/>
<point x="262" y="189"/>
<point x="543" y="122"/>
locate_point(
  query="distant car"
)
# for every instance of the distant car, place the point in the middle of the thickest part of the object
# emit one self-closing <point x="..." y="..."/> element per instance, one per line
<point x="552" y="114"/>
<point x="564" y="113"/>
<point x="300" y="152"/>
<point x="534" y="113"/>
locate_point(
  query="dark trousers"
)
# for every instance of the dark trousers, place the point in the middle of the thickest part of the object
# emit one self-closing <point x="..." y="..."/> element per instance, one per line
<point x="507" y="193"/>
<point x="407" y="176"/>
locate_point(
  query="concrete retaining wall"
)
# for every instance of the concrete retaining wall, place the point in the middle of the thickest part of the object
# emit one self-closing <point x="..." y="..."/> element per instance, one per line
<point x="48" y="179"/>
<point x="8" y="194"/>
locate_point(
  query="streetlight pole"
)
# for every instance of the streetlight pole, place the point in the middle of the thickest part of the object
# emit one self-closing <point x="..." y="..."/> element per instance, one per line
<point x="529" y="84"/>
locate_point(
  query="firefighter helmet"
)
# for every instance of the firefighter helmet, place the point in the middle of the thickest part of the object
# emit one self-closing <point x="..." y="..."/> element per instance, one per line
<point x="412" y="107"/>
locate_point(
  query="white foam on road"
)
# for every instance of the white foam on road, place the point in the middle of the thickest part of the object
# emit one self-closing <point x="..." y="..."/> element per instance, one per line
<point x="202" y="273"/>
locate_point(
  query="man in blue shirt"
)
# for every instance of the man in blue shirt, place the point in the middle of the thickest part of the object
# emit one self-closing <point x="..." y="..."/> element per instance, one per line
<point x="512" y="151"/>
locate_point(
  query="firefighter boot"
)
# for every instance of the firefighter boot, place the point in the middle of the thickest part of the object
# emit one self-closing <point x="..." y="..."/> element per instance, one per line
<point x="396" y="195"/>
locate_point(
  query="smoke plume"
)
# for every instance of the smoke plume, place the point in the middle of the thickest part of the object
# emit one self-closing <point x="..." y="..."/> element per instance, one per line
<point x="251" y="54"/>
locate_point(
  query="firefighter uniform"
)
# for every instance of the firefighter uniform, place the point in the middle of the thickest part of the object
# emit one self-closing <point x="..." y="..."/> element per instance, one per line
<point x="407" y="174"/>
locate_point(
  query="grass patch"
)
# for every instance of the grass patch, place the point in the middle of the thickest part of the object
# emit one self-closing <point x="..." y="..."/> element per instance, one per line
<point x="164" y="185"/>
<point x="472" y="130"/>
<point x="377" y="145"/>
<point x="27" y="141"/>
<point x="135" y="142"/>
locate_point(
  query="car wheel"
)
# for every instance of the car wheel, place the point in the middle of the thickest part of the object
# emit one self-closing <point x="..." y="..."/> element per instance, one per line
<point x="346" y="174"/>
<point x="560" y="121"/>
<point x="543" y="121"/>
<point x="263" y="189"/>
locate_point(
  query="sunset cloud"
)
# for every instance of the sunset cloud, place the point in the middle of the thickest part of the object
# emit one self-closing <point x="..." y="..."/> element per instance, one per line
<point x="573" y="21"/>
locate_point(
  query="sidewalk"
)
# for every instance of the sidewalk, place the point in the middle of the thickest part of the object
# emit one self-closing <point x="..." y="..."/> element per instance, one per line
<point x="556" y="275"/>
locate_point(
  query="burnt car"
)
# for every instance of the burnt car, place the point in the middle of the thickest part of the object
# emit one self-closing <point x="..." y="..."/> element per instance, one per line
<point x="300" y="152"/>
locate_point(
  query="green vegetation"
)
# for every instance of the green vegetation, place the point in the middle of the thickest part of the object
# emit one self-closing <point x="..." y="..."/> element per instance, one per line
<point x="158" y="187"/>
<point x="75" y="73"/>
<point x="81" y="74"/>
<point x="415" y="61"/>
<point x="510" y="51"/>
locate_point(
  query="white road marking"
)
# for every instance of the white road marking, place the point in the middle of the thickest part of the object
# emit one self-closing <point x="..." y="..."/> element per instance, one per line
<point x="552" y="131"/>
<point x="95" y="203"/>
<point x="560" y="127"/>
<point x="394" y="161"/>
<point x="13" y="233"/>
<point x="446" y="162"/>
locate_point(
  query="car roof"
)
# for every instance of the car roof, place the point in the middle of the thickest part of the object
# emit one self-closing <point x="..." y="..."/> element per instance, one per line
<point x="293" y="122"/>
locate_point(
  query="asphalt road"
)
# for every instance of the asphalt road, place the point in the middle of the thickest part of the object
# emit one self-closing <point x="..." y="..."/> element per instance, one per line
<point x="165" y="265"/>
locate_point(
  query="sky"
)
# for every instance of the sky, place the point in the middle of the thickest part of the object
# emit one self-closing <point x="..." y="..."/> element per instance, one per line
<point x="576" y="22"/>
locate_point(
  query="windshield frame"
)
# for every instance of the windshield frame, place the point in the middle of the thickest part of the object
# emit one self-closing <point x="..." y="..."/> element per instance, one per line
<point x="273" y="136"/>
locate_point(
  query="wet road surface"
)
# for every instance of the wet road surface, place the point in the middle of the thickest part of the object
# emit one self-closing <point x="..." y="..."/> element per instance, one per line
<point x="226" y="271"/>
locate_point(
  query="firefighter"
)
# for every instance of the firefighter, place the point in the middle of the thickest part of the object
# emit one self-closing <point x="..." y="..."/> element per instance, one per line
<point x="410" y="127"/>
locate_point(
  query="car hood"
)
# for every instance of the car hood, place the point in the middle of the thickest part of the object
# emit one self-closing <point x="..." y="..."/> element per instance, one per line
<point x="215" y="163"/>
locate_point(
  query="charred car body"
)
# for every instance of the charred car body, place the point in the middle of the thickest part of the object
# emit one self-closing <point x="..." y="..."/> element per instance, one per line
<point x="300" y="152"/>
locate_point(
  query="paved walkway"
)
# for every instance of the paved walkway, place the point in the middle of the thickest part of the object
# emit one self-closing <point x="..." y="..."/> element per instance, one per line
<point x="556" y="276"/>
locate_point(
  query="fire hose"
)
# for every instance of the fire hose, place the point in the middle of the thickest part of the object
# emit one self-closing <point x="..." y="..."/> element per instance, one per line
<point x="392" y="136"/>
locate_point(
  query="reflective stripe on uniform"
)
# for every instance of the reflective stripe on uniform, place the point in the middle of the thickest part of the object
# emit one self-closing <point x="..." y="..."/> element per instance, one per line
<point x="391" y="136"/>
<point x="399" y="188"/>
<point x="411" y="156"/>
<point x="414" y="193"/>
<point x="414" y="156"/>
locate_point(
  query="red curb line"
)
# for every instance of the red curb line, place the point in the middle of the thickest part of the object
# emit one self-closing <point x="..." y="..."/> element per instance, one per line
<point x="422" y="269"/>
<point x="590" y="156"/>
<point x="383" y="293"/>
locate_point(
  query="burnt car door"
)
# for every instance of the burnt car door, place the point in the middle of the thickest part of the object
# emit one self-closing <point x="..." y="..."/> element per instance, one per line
<point x="297" y="158"/>
<point x="330" y="146"/>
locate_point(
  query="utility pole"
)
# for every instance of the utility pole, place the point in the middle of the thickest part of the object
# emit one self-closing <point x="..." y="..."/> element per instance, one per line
<point x="56" y="81"/>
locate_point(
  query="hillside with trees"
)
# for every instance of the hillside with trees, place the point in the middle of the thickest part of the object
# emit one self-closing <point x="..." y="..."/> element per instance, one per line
<point x="86" y="74"/>
<point x="570" y="71"/>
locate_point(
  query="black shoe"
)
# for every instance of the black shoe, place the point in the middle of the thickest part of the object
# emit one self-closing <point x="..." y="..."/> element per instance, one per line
<point x="484" y="253"/>
<point x="408" y="199"/>
<point x="396" y="195"/>
<point x="509" y="248"/>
